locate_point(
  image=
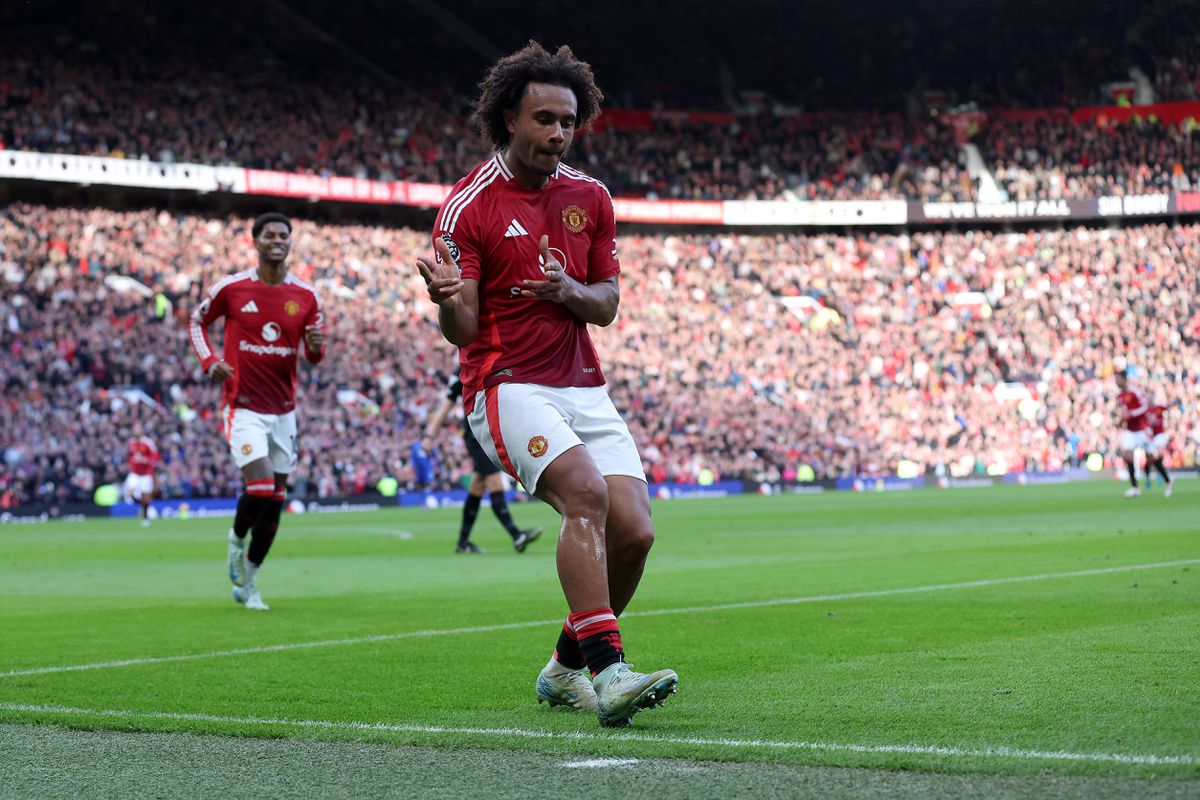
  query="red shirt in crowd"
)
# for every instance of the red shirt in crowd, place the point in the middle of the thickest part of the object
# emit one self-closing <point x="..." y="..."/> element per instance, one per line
<point x="142" y="455"/>
<point x="264" y="333"/>
<point x="493" y="225"/>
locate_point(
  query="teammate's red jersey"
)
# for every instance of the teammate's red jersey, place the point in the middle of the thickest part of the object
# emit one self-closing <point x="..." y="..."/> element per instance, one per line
<point x="264" y="332"/>
<point x="493" y="225"/>
<point x="142" y="455"/>
<point x="1156" y="419"/>
<point x="1135" y="406"/>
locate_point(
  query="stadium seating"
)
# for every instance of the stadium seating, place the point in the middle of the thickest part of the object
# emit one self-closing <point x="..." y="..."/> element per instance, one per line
<point x="746" y="355"/>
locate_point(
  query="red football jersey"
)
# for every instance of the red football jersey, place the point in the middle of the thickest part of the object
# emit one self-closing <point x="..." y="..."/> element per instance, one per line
<point x="493" y="225"/>
<point x="142" y="455"/>
<point x="1135" y="408"/>
<point x="1155" y="419"/>
<point x="264" y="333"/>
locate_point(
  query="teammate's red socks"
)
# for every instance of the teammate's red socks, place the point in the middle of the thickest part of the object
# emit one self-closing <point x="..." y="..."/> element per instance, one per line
<point x="264" y="487"/>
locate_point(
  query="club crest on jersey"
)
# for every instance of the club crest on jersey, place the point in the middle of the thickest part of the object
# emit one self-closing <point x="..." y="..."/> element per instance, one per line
<point x="451" y="246"/>
<point x="537" y="446"/>
<point x="247" y="449"/>
<point x="291" y="308"/>
<point x="575" y="218"/>
<point x="270" y="332"/>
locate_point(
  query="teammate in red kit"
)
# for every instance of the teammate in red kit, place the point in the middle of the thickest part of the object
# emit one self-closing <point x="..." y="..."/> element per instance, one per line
<point x="143" y="457"/>
<point x="1138" y="419"/>
<point x="270" y="317"/>
<point x="1156" y="452"/>
<point x="525" y="259"/>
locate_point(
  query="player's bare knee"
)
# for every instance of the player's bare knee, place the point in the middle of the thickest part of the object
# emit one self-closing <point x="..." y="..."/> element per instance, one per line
<point x="636" y="540"/>
<point x="587" y="498"/>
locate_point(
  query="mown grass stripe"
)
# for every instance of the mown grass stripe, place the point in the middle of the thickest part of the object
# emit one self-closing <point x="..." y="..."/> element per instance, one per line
<point x="388" y="637"/>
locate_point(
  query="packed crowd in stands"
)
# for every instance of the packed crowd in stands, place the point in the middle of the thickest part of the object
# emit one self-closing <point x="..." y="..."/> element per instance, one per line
<point x="1052" y="157"/>
<point x="366" y="129"/>
<point x="753" y="357"/>
<point x="225" y="96"/>
<point x="371" y="131"/>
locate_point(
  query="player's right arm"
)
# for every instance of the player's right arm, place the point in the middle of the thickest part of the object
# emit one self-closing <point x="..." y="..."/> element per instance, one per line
<point x="457" y="298"/>
<point x="211" y="309"/>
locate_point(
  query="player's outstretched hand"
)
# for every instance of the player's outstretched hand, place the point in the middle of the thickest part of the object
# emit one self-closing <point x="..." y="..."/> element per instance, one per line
<point x="557" y="286"/>
<point x="220" y="372"/>
<point x="443" y="279"/>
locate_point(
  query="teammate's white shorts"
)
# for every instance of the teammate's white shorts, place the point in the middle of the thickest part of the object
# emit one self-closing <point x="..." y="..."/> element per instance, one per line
<point x="523" y="427"/>
<point x="1158" y="445"/>
<point x="138" y="486"/>
<point x="253" y="436"/>
<point x="1133" y="440"/>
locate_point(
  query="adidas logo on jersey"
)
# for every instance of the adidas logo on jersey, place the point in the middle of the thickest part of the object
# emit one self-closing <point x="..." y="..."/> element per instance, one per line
<point x="514" y="230"/>
<point x="250" y="308"/>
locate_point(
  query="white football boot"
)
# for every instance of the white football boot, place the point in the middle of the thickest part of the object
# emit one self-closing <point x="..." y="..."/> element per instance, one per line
<point x="560" y="686"/>
<point x="621" y="692"/>
<point x="237" y="559"/>
<point x="250" y="597"/>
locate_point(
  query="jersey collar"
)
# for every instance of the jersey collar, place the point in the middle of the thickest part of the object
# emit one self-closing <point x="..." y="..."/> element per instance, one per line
<point x="507" y="174"/>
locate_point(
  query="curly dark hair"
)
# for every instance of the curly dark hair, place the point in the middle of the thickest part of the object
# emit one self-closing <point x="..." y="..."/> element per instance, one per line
<point x="265" y="219"/>
<point x="504" y="85"/>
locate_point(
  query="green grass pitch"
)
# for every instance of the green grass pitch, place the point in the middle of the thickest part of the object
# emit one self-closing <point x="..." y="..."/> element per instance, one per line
<point x="1018" y="631"/>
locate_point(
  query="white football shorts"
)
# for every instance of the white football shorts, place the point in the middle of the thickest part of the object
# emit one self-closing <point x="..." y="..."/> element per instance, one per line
<point x="523" y="427"/>
<point x="1134" y="440"/>
<point x="138" y="486"/>
<point x="252" y="436"/>
<point x="1158" y="444"/>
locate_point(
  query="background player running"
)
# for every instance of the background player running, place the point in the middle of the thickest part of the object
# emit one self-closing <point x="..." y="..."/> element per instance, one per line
<point x="143" y="457"/>
<point x="270" y="316"/>
<point x="1139" y="419"/>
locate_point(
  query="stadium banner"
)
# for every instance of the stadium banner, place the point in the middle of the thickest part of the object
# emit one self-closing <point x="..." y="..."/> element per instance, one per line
<point x="831" y="212"/>
<point x="971" y="482"/>
<point x="866" y="212"/>
<point x="67" y="512"/>
<point x="450" y="498"/>
<point x="185" y="508"/>
<point x="880" y="484"/>
<point x="22" y="165"/>
<point x="86" y="170"/>
<point x="1072" y="475"/>
<point x="683" y="212"/>
<point x="1138" y="205"/>
<point x="318" y="187"/>
<point x="1008" y="210"/>
<point x="817" y="486"/>
<point x="693" y="491"/>
<point x="1168" y="113"/>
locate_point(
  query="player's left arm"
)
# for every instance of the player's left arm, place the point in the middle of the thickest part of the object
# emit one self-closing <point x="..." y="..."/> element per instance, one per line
<point x="314" y="333"/>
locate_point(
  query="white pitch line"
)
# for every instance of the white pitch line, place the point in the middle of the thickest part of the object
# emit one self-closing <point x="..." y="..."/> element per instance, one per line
<point x="746" y="744"/>
<point x="594" y="763"/>
<point x="388" y="637"/>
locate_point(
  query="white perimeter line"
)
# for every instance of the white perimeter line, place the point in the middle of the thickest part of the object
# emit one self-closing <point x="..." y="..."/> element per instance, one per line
<point x="389" y="637"/>
<point x="749" y="744"/>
